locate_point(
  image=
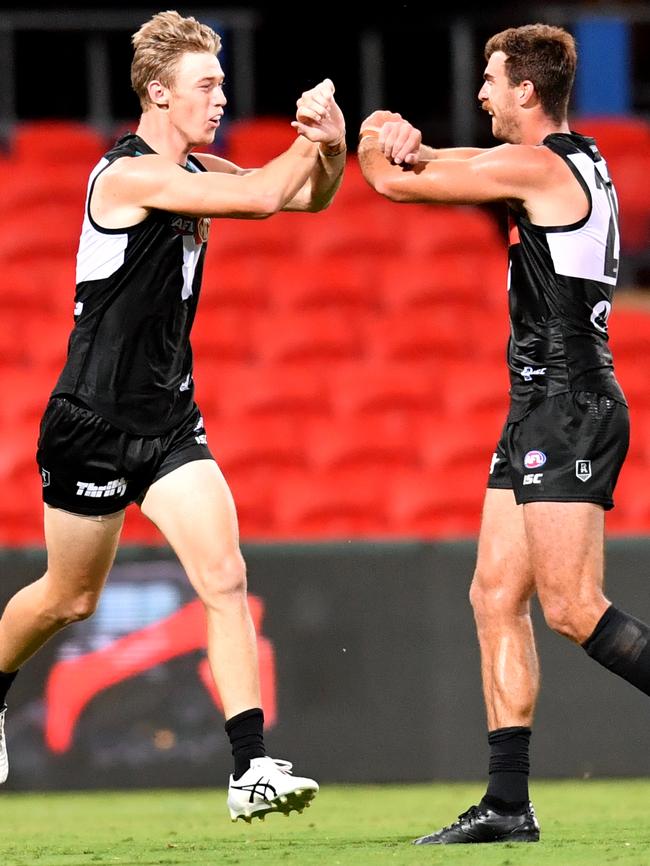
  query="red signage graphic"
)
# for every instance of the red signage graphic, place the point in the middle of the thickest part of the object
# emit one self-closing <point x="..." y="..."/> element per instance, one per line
<point x="74" y="682"/>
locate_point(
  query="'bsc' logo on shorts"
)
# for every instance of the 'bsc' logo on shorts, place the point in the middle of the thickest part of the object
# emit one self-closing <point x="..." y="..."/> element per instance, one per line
<point x="583" y="470"/>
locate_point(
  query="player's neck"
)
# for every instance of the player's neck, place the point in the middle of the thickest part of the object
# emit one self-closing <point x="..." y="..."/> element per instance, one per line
<point x="536" y="131"/>
<point x="162" y="137"/>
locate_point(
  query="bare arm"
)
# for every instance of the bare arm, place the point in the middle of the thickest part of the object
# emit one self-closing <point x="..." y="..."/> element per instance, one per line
<point x="428" y="153"/>
<point x="132" y="187"/>
<point x="318" y="191"/>
<point x="319" y="119"/>
<point x="508" y="172"/>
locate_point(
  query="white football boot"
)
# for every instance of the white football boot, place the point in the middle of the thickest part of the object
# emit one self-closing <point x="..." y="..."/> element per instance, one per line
<point x="268" y="786"/>
<point x="4" y="760"/>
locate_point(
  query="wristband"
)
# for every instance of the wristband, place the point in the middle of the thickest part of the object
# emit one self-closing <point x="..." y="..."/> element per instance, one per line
<point x="365" y="133"/>
<point x="335" y="149"/>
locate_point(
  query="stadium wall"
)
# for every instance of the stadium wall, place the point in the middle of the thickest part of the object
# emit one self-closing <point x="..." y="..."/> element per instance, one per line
<point x="370" y="673"/>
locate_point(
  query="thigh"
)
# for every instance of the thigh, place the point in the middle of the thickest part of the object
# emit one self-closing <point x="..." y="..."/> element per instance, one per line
<point x="80" y="550"/>
<point x="503" y="563"/>
<point x="566" y="543"/>
<point x="194" y="509"/>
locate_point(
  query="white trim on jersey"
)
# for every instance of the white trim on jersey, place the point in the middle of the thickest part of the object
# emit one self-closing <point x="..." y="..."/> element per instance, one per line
<point x="582" y="253"/>
<point x="100" y="254"/>
<point x="191" y="254"/>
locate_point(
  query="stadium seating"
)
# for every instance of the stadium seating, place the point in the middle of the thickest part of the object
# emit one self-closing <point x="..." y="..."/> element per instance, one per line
<point x="349" y="365"/>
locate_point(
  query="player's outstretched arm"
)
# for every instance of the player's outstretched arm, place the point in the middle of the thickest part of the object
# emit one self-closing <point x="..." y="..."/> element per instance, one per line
<point x="507" y="172"/>
<point x="401" y="142"/>
<point x="320" y="119"/>
<point x="153" y="182"/>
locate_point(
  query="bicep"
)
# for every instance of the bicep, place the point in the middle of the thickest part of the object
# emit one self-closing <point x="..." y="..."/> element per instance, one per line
<point x="162" y="186"/>
<point x="493" y="175"/>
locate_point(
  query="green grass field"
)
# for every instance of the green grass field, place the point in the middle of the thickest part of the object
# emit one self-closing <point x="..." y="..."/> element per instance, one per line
<point x="583" y="823"/>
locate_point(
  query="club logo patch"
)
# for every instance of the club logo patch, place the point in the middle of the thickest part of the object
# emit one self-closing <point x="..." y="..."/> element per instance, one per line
<point x="534" y="459"/>
<point x="599" y="316"/>
<point x="583" y="470"/>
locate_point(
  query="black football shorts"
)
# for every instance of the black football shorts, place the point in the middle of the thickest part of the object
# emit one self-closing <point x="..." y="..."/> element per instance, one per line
<point x="90" y="467"/>
<point x="569" y="448"/>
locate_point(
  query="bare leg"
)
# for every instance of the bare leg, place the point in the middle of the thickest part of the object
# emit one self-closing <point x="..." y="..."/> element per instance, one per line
<point x="566" y="542"/>
<point x="80" y="555"/>
<point x="500" y="595"/>
<point x="193" y="508"/>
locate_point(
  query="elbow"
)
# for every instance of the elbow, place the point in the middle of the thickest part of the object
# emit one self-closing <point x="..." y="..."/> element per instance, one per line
<point x="390" y="190"/>
<point x="266" y="204"/>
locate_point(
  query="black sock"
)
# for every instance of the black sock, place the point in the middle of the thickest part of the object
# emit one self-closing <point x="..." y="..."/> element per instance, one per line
<point x="507" y="790"/>
<point x="5" y="684"/>
<point x="246" y="734"/>
<point x="621" y="644"/>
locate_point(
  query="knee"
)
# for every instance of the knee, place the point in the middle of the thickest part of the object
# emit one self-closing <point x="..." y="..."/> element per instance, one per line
<point x="560" y="616"/>
<point x="495" y="594"/>
<point x="75" y="609"/>
<point x="221" y="580"/>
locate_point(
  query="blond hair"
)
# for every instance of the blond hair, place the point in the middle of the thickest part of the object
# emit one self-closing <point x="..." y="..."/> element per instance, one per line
<point x="158" y="46"/>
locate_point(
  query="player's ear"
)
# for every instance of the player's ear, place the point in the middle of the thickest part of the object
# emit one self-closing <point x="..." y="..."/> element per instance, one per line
<point x="158" y="94"/>
<point x="525" y="91"/>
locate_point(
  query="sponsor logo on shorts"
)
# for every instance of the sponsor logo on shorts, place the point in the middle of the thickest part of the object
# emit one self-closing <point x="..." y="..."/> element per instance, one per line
<point x="534" y="459"/>
<point x="493" y="464"/>
<point x="117" y="487"/>
<point x="535" y="478"/>
<point x="45" y="475"/>
<point x="599" y="316"/>
<point x="529" y="372"/>
<point x="583" y="470"/>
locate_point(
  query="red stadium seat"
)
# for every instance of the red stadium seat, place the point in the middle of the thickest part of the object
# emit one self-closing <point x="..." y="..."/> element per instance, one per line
<point x="426" y="230"/>
<point x="233" y="281"/>
<point x="431" y="335"/>
<point x="630" y="175"/>
<point x="443" y="442"/>
<point x="64" y="184"/>
<point x="382" y="388"/>
<point x="449" y="278"/>
<point x="318" y="506"/>
<point x="615" y="135"/>
<point x="371" y="228"/>
<point x="44" y="231"/>
<point x="280" y="390"/>
<point x="328" y="282"/>
<point x="474" y="386"/>
<point x="629" y="334"/>
<point x="26" y="391"/>
<point x="278" y="235"/>
<point x="46" y="342"/>
<point x="436" y="503"/>
<point x="57" y="141"/>
<point x="245" y="445"/>
<point x="361" y="442"/>
<point x="319" y="336"/>
<point x="223" y="335"/>
<point x="34" y="283"/>
<point x="252" y="142"/>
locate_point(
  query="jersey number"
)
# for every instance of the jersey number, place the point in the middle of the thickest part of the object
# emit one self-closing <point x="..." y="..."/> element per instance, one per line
<point x="611" y="262"/>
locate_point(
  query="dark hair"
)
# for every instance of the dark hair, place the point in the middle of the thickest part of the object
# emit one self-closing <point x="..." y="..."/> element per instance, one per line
<point x="544" y="55"/>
